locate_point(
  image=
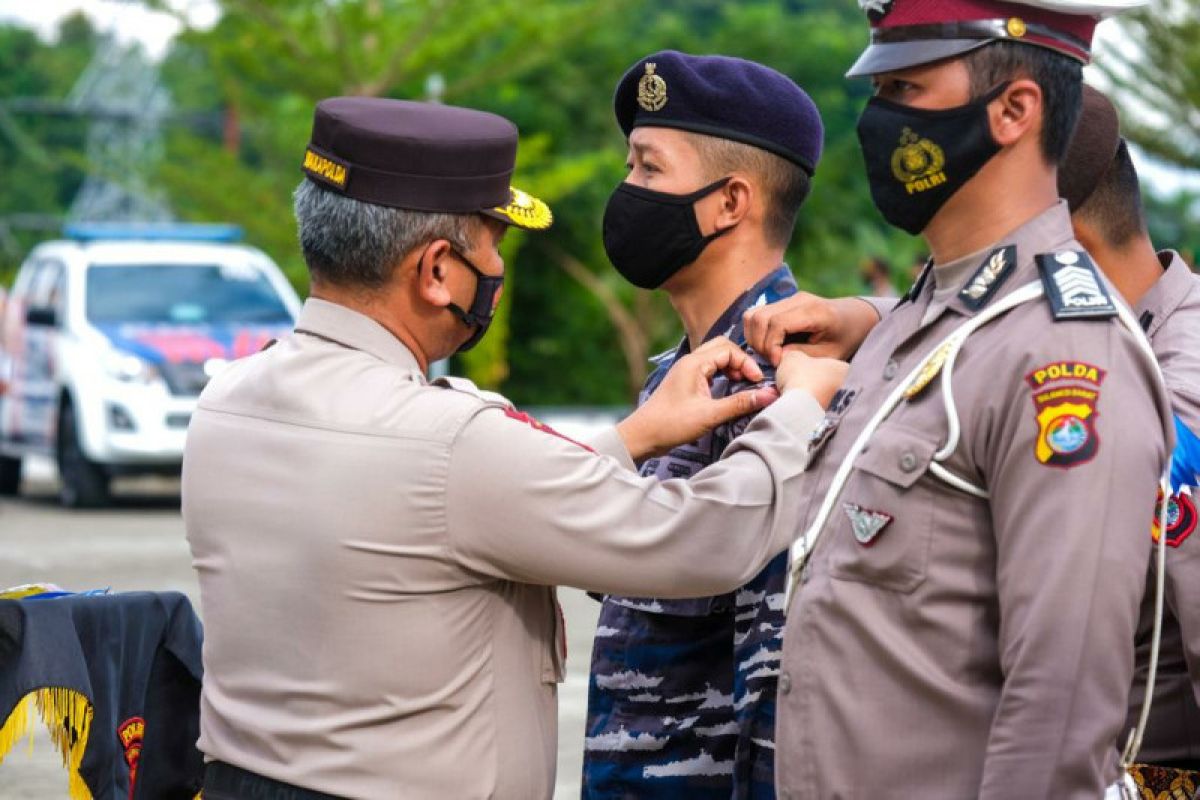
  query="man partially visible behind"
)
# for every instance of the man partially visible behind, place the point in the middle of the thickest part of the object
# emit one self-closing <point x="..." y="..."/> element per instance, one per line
<point x="1101" y="185"/>
<point x="721" y="154"/>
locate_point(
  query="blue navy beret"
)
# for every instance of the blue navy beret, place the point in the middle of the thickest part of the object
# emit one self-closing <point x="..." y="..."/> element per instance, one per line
<point x="721" y="96"/>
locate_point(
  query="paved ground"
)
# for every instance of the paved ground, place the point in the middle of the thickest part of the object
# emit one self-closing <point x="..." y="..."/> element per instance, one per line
<point x="139" y="544"/>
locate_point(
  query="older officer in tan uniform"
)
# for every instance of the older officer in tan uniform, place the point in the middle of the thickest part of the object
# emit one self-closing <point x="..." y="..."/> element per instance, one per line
<point x="976" y="507"/>
<point x="376" y="553"/>
<point x="1100" y="184"/>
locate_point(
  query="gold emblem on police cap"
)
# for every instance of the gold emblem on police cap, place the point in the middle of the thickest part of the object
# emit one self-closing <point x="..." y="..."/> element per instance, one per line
<point x="918" y="163"/>
<point x="1016" y="27"/>
<point x="652" y="90"/>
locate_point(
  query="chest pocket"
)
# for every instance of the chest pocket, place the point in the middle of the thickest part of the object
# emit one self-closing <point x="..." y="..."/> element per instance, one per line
<point x="882" y="527"/>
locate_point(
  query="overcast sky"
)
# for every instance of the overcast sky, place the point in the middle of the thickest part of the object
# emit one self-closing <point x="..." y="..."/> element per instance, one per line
<point x="130" y="22"/>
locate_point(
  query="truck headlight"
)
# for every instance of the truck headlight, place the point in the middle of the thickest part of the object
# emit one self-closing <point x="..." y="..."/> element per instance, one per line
<point x="129" y="368"/>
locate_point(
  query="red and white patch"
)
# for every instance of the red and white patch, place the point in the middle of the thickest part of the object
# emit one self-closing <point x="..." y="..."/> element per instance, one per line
<point x="521" y="416"/>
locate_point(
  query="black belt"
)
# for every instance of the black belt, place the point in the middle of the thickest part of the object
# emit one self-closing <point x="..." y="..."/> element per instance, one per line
<point x="226" y="782"/>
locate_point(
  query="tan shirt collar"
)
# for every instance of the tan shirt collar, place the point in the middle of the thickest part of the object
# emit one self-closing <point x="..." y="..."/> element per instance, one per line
<point x="357" y="331"/>
<point x="1048" y="232"/>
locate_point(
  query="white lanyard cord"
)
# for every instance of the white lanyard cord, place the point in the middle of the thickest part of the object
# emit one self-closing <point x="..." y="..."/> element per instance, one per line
<point x="803" y="547"/>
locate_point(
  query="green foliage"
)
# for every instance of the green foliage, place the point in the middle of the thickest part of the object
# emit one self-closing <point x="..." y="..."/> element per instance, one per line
<point x="43" y="165"/>
<point x="569" y="329"/>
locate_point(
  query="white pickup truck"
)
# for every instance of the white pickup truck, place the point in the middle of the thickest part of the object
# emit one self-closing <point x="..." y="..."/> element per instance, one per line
<point x="108" y="337"/>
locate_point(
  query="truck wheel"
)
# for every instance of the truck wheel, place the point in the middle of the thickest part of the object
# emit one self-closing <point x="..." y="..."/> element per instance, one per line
<point x="84" y="482"/>
<point x="10" y="476"/>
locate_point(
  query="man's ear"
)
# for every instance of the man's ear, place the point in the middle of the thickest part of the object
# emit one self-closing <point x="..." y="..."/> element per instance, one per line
<point x="431" y="268"/>
<point x="735" y="199"/>
<point x="1018" y="111"/>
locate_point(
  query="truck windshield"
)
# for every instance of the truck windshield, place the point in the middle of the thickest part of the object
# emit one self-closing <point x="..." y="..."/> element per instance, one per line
<point x="184" y="294"/>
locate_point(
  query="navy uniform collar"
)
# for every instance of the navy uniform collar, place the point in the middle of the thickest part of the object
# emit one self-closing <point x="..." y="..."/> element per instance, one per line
<point x="778" y="283"/>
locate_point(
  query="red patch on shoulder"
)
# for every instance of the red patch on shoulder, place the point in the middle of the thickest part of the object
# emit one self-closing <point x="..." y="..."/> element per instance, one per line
<point x="521" y="416"/>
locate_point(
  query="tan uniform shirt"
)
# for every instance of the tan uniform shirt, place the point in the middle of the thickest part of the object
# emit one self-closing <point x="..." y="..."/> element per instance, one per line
<point x="1171" y="313"/>
<point x="374" y="556"/>
<point x="958" y="647"/>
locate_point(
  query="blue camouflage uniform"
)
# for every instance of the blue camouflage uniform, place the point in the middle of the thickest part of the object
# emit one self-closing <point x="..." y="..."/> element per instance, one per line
<point x="681" y="698"/>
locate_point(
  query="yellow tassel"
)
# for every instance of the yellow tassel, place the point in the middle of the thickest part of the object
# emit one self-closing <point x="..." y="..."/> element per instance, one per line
<point x="68" y="717"/>
<point x="18" y="724"/>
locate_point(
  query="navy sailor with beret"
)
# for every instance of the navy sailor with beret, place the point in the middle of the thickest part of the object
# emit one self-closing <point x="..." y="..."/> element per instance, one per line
<point x="721" y="155"/>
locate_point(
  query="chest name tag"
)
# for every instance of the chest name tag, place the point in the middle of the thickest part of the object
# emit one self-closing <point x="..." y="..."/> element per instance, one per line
<point x="1073" y="286"/>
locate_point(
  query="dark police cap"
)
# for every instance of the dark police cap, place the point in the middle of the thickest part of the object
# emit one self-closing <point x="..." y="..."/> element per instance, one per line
<point x="726" y="97"/>
<point x="420" y="157"/>
<point x="1093" y="147"/>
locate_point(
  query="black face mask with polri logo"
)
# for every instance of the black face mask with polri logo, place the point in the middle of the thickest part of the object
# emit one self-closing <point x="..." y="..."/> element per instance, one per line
<point x="917" y="158"/>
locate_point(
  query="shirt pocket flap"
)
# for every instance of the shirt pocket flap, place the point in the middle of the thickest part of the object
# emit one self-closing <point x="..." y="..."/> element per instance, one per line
<point x="897" y="454"/>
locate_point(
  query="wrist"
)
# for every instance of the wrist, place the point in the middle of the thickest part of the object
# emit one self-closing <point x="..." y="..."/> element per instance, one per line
<point x="636" y="440"/>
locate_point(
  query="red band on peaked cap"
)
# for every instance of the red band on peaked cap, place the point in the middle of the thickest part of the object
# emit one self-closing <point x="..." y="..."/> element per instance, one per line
<point x="952" y="27"/>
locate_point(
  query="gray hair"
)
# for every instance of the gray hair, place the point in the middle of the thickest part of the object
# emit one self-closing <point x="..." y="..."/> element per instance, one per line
<point x="351" y="243"/>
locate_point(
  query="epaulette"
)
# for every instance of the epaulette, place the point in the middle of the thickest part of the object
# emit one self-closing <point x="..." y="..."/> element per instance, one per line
<point x="990" y="276"/>
<point x="467" y="387"/>
<point x="1074" y="287"/>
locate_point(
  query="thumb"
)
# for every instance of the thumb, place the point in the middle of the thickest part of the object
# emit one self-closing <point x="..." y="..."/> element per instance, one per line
<point x="742" y="403"/>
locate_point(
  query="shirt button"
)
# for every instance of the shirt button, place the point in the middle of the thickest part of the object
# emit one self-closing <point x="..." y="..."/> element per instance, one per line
<point x="908" y="462"/>
<point x="785" y="683"/>
<point x="890" y="369"/>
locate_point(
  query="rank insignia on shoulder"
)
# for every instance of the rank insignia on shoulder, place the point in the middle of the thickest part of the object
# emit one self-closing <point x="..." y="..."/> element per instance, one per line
<point x="1073" y="286"/>
<point x="990" y="276"/>
<point x="865" y="523"/>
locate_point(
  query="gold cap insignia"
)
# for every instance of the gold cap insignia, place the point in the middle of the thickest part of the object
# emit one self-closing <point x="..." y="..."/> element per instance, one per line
<point x="1016" y="27"/>
<point x="525" y="211"/>
<point x="652" y="90"/>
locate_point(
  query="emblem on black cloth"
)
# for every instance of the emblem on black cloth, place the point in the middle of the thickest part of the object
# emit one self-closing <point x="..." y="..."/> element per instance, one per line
<point x="652" y="90"/>
<point x="130" y="733"/>
<point x="918" y="163"/>
<point x="990" y="275"/>
<point x="1073" y="286"/>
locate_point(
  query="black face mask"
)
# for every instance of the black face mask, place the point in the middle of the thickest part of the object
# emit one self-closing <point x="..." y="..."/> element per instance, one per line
<point x="479" y="315"/>
<point x="918" y="158"/>
<point x="649" y="236"/>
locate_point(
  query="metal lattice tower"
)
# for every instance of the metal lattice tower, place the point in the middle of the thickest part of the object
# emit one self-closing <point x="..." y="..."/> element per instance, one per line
<point x="120" y="94"/>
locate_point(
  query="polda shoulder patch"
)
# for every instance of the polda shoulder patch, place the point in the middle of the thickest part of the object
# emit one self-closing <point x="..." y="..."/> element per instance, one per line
<point x="1073" y="286"/>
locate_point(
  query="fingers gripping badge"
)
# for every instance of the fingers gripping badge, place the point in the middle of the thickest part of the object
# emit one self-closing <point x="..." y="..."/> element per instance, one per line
<point x="1064" y="400"/>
